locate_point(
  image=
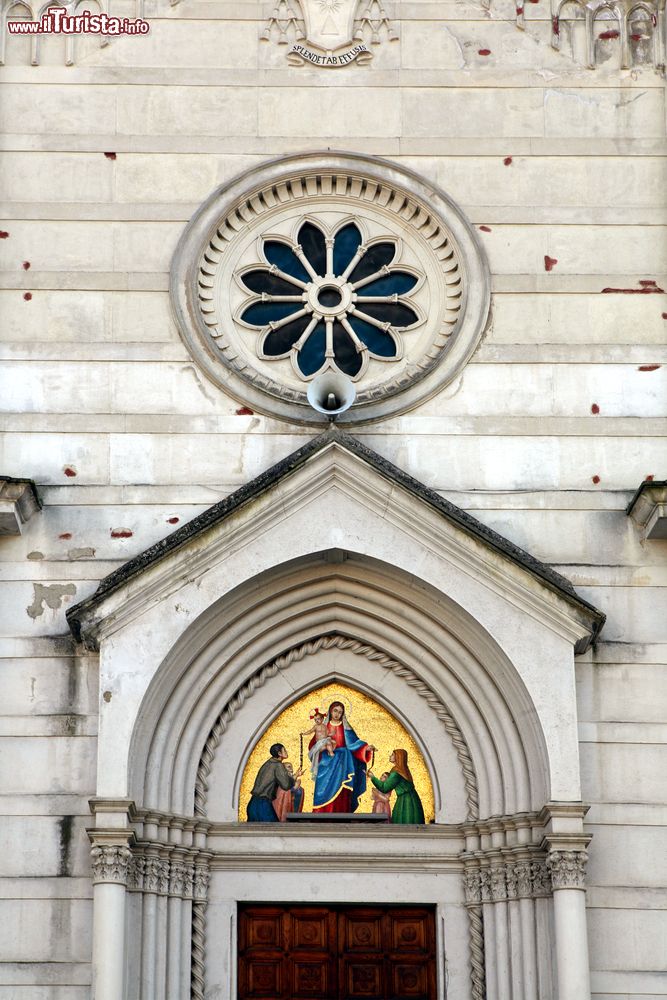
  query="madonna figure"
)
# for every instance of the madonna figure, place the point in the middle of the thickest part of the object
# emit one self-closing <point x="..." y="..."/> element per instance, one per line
<point x="340" y="777"/>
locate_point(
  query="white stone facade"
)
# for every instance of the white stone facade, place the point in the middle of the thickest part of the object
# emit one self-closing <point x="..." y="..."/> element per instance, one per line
<point x="543" y="436"/>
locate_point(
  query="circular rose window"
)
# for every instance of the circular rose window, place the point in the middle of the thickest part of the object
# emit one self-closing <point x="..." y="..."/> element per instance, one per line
<point x="338" y="263"/>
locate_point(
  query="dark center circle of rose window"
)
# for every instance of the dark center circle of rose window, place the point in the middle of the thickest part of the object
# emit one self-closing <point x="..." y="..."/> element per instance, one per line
<point x="329" y="296"/>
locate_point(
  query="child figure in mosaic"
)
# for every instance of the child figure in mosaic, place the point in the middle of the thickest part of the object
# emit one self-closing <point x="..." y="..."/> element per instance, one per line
<point x="381" y="800"/>
<point x="319" y="728"/>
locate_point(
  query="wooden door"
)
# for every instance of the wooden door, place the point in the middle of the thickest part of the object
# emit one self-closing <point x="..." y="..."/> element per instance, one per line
<point x="336" y="953"/>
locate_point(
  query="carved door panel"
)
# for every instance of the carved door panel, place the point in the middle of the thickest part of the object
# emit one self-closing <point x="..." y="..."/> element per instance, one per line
<point x="336" y="953"/>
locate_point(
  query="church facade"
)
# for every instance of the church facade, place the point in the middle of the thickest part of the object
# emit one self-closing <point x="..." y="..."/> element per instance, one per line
<point x="332" y="502"/>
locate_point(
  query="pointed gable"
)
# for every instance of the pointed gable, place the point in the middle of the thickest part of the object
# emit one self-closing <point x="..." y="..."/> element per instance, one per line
<point x="189" y="542"/>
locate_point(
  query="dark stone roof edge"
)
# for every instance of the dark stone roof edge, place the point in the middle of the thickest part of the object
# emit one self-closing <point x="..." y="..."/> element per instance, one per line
<point x="291" y="463"/>
<point x="642" y="488"/>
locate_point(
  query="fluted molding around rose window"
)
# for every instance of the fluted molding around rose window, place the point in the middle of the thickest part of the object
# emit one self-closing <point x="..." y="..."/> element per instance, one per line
<point x="567" y="869"/>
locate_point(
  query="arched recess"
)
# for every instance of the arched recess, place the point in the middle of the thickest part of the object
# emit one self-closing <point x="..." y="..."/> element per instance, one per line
<point x="415" y="625"/>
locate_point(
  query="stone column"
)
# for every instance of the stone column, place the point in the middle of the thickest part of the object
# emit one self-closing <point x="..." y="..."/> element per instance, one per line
<point x="473" y="895"/>
<point x="110" y="862"/>
<point x="567" y="868"/>
<point x="199" y="894"/>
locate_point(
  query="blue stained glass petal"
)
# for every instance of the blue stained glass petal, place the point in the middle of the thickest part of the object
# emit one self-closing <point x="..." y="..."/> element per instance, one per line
<point x="346" y="244"/>
<point x="377" y="341"/>
<point x="396" y="313"/>
<point x="284" y="257"/>
<point x="311" y="356"/>
<point x="261" y="313"/>
<point x="377" y="256"/>
<point x="396" y="283"/>
<point x="347" y="358"/>
<point x="278" y="342"/>
<point x="314" y="247"/>
<point x="260" y="280"/>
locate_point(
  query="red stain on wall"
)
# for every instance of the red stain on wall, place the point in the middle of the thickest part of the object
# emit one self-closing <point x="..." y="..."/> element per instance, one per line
<point x="484" y="52"/>
<point x="649" y="479"/>
<point x="664" y="315"/>
<point x="646" y="288"/>
<point x="3" y="234"/>
<point x="519" y="11"/>
<point x="26" y="265"/>
<point x="648" y="368"/>
<point x="549" y="263"/>
<point x="65" y="534"/>
<point x="485" y="229"/>
<point x="595" y="479"/>
<point x="69" y="470"/>
<point x="606" y="35"/>
<point x="244" y="411"/>
<point x="555" y="26"/>
<point x="595" y="408"/>
<point x="121" y="533"/>
<point x="173" y="520"/>
<point x="110" y="156"/>
<point x="27" y="296"/>
<point x="507" y="161"/>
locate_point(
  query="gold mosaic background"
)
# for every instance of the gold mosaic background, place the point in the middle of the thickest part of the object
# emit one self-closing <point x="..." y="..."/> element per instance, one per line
<point x="372" y="724"/>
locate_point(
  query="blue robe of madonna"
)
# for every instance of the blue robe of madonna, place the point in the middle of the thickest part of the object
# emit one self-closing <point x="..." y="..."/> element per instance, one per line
<point x="343" y="776"/>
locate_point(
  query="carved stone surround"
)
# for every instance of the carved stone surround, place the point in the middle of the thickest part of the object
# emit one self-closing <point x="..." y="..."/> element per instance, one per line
<point x="391" y="202"/>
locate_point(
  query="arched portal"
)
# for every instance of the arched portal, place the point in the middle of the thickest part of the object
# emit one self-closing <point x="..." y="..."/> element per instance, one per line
<point x="372" y="603"/>
<point x="465" y="639"/>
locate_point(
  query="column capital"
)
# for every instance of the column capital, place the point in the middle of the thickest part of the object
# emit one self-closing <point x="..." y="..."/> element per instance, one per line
<point x="568" y="869"/>
<point x="111" y="854"/>
<point x="110" y="863"/>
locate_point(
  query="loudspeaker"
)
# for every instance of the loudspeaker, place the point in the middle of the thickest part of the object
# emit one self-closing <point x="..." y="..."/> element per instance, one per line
<point x="331" y="394"/>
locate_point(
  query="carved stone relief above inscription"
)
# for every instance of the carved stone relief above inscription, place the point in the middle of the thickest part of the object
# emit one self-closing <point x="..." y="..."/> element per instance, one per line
<point x="329" y="33"/>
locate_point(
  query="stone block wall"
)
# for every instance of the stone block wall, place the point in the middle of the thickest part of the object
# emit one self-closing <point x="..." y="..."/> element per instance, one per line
<point x="545" y="436"/>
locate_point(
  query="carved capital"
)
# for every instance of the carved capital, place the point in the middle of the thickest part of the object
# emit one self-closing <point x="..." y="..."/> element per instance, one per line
<point x="498" y="883"/>
<point x="200" y="883"/>
<point x="110" y="863"/>
<point x="511" y="877"/>
<point x="188" y="880"/>
<point x="472" y="884"/>
<point x="153" y="874"/>
<point x="485" y="883"/>
<point x="135" y="874"/>
<point x="523" y="881"/>
<point x="568" y="869"/>
<point x="540" y="878"/>
<point x="177" y="878"/>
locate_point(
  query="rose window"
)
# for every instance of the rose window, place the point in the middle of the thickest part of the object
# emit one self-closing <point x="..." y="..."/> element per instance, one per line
<point x="330" y="262"/>
<point x="330" y="299"/>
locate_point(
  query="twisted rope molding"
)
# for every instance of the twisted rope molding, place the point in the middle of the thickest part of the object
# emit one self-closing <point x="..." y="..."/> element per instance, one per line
<point x="477" y="977"/>
<point x="198" y="950"/>
<point x="360" y="649"/>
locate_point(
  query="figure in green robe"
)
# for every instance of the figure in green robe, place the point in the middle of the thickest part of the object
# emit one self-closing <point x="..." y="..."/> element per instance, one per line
<point x="408" y="807"/>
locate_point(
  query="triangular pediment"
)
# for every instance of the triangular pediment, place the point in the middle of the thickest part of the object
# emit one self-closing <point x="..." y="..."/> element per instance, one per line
<point x="329" y="466"/>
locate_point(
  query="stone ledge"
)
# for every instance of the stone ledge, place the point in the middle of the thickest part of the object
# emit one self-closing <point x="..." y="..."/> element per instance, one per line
<point x="648" y="509"/>
<point x="18" y="502"/>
